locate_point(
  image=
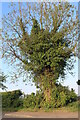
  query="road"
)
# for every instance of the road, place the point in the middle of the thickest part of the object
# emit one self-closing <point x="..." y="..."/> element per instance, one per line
<point x="55" y="114"/>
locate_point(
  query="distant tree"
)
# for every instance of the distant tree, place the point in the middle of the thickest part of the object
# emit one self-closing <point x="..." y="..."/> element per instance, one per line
<point x="11" y="99"/>
<point x="2" y="81"/>
<point x="43" y="37"/>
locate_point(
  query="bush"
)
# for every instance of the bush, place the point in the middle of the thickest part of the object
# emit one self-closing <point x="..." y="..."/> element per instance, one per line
<point x="29" y="101"/>
<point x="61" y="96"/>
<point x="33" y="101"/>
<point x="12" y="99"/>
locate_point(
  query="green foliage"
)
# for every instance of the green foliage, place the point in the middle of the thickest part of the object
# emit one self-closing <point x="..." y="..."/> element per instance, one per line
<point x="60" y="96"/>
<point x="2" y="81"/>
<point x="74" y="106"/>
<point x="33" y="101"/>
<point x="42" y="41"/>
<point x="43" y="38"/>
<point x="48" y="52"/>
<point x="30" y="101"/>
<point x="12" y="99"/>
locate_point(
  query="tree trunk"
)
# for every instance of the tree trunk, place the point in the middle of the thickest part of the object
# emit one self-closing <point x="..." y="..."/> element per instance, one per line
<point x="47" y="95"/>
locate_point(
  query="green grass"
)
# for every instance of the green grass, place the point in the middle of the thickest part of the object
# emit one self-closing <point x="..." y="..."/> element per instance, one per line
<point x="11" y="109"/>
<point x="29" y="110"/>
<point x="73" y="107"/>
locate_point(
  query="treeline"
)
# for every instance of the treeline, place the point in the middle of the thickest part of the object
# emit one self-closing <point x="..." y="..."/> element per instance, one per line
<point x="61" y="96"/>
<point x="11" y="100"/>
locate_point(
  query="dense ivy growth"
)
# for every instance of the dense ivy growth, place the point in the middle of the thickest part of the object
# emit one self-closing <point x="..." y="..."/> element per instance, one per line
<point x="61" y="96"/>
<point x="43" y="37"/>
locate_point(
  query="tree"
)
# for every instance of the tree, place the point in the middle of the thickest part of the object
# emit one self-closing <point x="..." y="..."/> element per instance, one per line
<point x="11" y="99"/>
<point x="43" y="37"/>
<point x="2" y="81"/>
